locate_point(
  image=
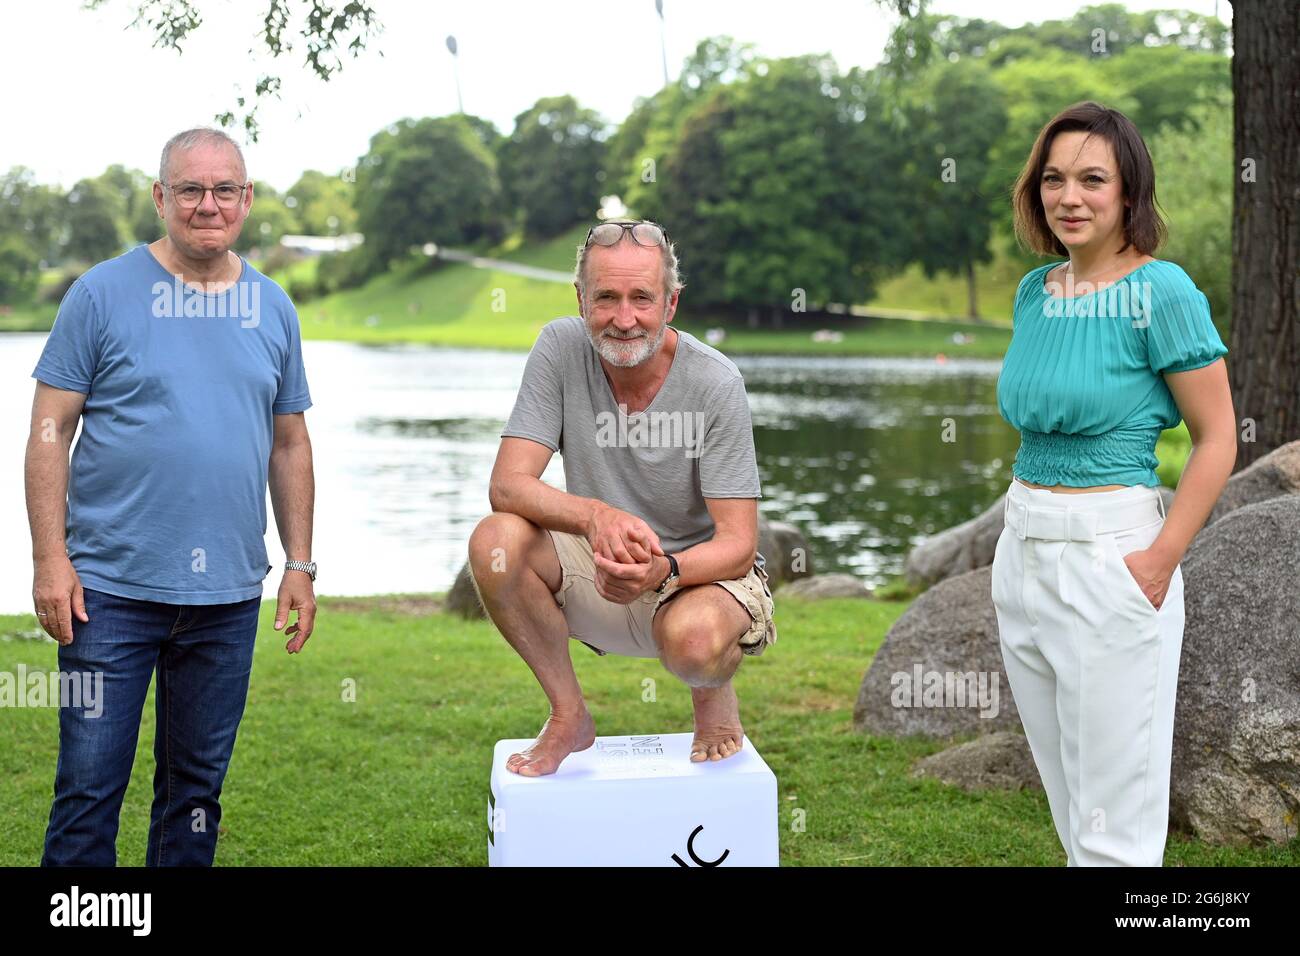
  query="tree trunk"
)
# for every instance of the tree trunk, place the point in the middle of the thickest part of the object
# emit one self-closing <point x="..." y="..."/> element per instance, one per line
<point x="971" y="309"/>
<point x="1264" y="341"/>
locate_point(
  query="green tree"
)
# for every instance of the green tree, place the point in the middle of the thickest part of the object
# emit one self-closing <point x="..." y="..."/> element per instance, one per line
<point x="955" y="115"/>
<point x="19" y="270"/>
<point x="552" y="166"/>
<point x="655" y="123"/>
<point x="34" y="214"/>
<point x="1166" y="82"/>
<point x="771" y="194"/>
<point x="322" y="204"/>
<point x="134" y="190"/>
<point x="427" y="180"/>
<point x="95" y="215"/>
<point x="1194" y="186"/>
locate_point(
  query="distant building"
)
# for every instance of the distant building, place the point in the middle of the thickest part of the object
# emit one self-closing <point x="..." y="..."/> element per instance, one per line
<point x="317" y="245"/>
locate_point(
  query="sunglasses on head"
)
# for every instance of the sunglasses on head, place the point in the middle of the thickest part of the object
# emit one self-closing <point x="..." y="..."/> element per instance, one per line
<point x="644" y="233"/>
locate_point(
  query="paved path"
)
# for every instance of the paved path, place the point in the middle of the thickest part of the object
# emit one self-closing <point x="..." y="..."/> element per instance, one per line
<point x="518" y="268"/>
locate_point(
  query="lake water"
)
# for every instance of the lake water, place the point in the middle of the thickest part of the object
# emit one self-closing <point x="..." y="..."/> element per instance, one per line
<point x="852" y="450"/>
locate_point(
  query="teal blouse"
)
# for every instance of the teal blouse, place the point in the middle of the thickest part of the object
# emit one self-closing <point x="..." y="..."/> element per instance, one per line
<point x="1082" y="380"/>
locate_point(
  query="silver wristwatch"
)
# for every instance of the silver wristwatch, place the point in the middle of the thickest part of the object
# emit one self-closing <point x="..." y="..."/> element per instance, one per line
<point x="308" y="566"/>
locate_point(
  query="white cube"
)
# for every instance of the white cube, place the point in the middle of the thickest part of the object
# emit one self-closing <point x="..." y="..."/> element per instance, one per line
<point x="634" y="801"/>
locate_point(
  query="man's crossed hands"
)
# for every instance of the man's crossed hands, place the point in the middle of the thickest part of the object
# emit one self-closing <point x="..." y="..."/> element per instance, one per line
<point x="629" y="559"/>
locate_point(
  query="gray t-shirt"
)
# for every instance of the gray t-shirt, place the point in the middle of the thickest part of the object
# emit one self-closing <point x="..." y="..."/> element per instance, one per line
<point x="694" y="441"/>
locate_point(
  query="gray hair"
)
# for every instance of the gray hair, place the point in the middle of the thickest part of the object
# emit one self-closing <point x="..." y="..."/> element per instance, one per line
<point x="198" y="136"/>
<point x="672" y="278"/>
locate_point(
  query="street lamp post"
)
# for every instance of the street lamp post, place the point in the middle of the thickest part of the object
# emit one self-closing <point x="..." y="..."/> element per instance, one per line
<point x="455" y="66"/>
<point x="663" y="43"/>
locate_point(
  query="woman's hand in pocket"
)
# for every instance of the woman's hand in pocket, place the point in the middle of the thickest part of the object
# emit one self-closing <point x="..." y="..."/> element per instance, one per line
<point x="1152" y="572"/>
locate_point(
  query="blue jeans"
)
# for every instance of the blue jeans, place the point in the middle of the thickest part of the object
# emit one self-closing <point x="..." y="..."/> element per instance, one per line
<point x="203" y="655"/>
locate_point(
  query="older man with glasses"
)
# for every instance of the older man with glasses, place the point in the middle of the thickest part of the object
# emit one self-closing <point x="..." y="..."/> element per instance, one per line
<point x="183" y="365"/>
<point x="652" y="549"/>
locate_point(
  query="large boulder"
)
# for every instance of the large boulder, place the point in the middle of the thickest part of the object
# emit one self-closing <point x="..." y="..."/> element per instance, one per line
<point x="939" y="672"/>
<point x="785" y="551"/>
<point x="997" y="761"/>
<point x="822" y="586"/>
<point x="1274" y="475"/>
<point x="956" y="550"/>
<point x="1236" y="772"/>
<point x="463" y="599"/>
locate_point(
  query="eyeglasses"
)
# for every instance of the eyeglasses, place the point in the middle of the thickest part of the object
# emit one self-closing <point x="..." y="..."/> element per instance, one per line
<point x="644" y="233"/>
<point x="189" y="195"/>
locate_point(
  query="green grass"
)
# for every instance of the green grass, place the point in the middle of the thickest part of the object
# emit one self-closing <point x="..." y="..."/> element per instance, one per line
<point x="559" y="253"/>
<point x="945" y="295"/>
<point x="27" y="318"/>
<point x="399" y="777"/>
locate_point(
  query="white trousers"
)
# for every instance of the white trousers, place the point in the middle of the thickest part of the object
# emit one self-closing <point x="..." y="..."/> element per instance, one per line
<point x="1093" y="666"/>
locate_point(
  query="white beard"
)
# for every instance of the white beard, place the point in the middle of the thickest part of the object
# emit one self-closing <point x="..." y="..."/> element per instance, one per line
<point x="627" y="353"/>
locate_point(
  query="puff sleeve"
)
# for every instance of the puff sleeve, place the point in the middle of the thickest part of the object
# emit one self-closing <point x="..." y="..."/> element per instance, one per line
<point x="1182" y="336"/>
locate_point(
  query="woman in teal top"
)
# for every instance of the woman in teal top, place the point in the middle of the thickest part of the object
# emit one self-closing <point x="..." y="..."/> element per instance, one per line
<point x="1083" y="381"/>
<point x="1110" y="346"/>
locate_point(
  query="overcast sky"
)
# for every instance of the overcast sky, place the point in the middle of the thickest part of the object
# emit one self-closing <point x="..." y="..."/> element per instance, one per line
<point x="82" y="90"/>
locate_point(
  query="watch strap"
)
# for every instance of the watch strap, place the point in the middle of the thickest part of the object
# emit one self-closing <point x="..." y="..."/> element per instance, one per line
<point x="673" y="572"/>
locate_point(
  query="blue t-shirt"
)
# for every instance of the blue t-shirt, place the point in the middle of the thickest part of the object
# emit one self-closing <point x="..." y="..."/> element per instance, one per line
<point x="167" y="488"/>
<point x="1083" y="379"/>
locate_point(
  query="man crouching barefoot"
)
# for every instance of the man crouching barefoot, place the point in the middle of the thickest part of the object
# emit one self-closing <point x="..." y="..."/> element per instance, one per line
<point x="653" y="550"/>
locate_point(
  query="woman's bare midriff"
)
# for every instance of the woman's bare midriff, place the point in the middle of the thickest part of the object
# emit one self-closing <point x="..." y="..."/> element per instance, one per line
<point x="1066" y="489"/>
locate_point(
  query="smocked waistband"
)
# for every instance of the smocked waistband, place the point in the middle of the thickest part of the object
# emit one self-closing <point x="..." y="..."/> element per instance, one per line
<point x="1115" y="457"/>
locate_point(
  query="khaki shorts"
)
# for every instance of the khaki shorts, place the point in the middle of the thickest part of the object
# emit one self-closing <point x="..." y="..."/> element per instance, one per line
<point x="609" y="628"/>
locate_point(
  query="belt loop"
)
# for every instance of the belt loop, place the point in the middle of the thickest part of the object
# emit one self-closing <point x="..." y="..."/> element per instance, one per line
<point x="1018" y="518"/>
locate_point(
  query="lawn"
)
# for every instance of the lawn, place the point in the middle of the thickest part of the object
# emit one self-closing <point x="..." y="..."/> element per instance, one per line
<point x="399" y="777"/>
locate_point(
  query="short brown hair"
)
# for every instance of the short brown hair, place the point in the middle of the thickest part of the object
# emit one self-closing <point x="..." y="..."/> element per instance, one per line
<point x="1144" y="228"/>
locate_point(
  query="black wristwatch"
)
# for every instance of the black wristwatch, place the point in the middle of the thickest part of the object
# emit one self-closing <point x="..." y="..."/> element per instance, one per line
<point x="672" y="573"/>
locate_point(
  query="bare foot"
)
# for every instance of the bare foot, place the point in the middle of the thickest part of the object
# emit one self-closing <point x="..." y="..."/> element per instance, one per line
<point x="560" y="736"/>
<point x="718" y="733"/>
